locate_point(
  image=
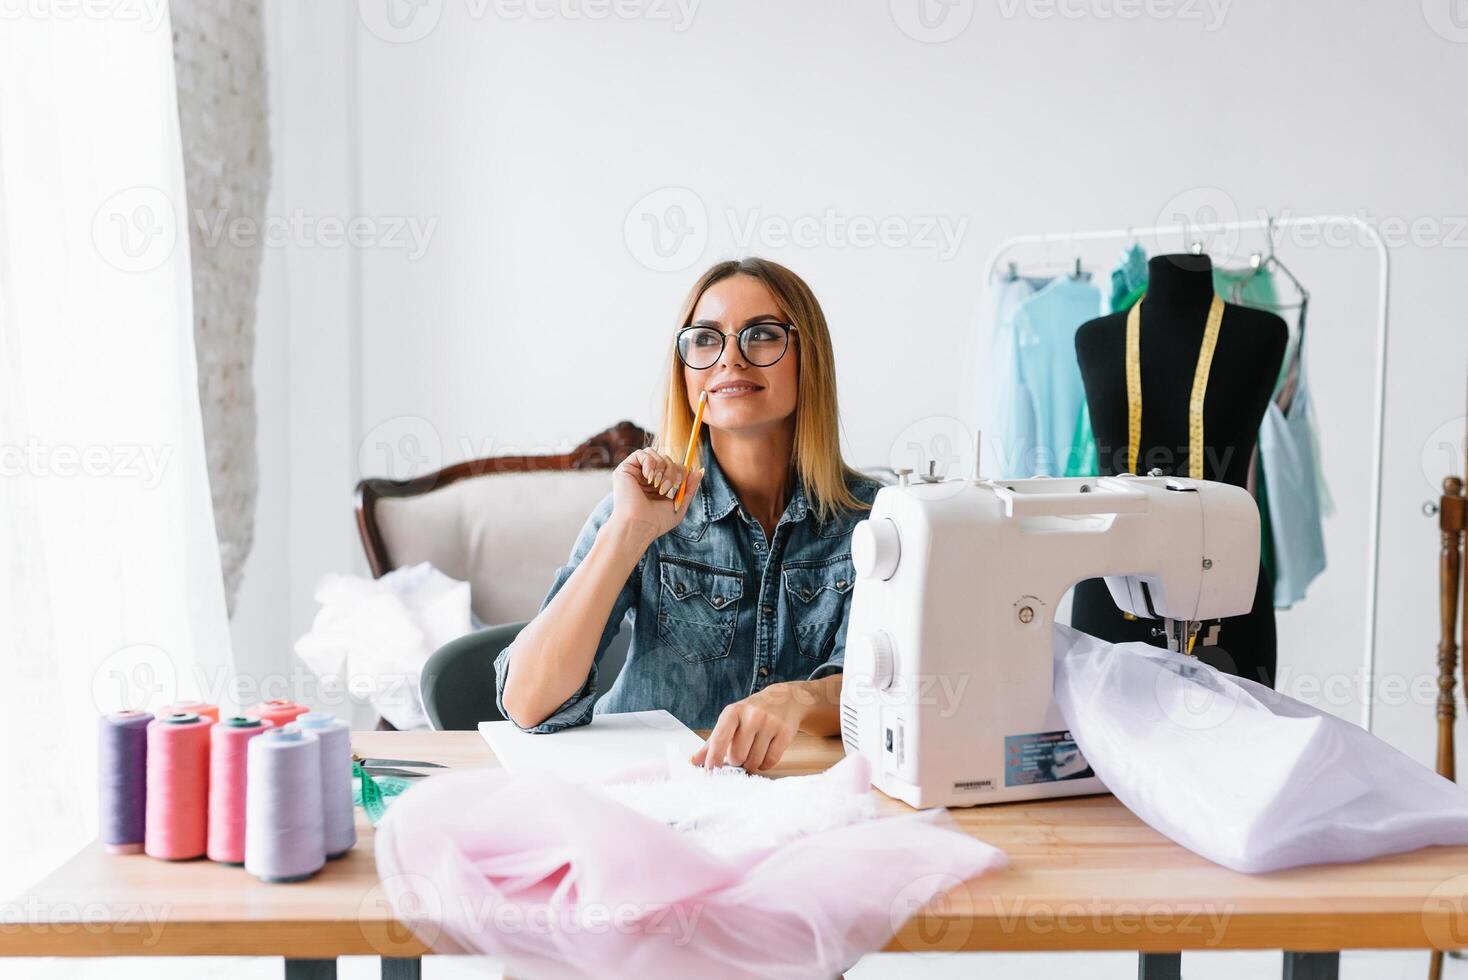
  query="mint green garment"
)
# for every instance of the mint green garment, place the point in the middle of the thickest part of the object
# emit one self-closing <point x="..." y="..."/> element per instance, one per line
<point x="1045" y="334"/>
<point x="1128" y="283"/>
<point x="1290" y="484"/>
<point x="1005" y="410"/>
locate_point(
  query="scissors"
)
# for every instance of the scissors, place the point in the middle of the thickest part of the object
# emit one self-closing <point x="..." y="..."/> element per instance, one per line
<point x="388" y="767"/>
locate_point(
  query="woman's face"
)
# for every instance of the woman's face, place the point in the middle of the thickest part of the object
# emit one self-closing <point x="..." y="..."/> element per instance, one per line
<point x="742" y="396"/>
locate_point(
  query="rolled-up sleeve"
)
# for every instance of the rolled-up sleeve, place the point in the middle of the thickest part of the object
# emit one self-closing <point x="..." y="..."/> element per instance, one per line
<point x="836" y="662"/>
<point x="575" y="710"/>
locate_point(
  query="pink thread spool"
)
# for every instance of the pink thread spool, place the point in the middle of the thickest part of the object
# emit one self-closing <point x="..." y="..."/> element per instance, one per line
<point x="228" y="741"/>
<point x="177" y="822"/>
<point x="201" y="708"/>
<point x="280" y="712"/>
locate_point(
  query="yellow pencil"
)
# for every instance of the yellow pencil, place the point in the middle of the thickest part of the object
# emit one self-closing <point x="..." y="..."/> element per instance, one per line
<point x="703" y="398"/>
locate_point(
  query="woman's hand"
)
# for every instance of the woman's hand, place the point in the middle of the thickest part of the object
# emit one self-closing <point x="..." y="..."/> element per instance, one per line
<point x="643" y="488"/>
<point x="754" y="733"/>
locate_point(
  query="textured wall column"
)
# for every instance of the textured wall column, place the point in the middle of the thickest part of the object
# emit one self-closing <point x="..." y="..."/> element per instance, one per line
<point x="218" y="51"/>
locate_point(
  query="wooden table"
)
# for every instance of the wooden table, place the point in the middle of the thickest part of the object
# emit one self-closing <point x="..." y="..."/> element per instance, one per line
<point x="1085" y="875"/>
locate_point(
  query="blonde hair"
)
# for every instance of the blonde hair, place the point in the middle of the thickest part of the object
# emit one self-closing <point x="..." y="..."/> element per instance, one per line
<point x="816" y="455"/>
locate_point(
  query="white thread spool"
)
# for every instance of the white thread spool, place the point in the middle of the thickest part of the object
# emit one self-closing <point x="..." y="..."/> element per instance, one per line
<point x="336" y="780"/>
<point x="284" y="831"/>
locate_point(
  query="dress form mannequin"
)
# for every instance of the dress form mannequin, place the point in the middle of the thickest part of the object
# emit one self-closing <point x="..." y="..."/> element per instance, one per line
<point x="1246" y="362"/>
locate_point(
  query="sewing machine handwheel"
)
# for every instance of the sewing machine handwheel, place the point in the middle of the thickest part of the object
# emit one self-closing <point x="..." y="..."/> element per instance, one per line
<point x="870" y="659"/>
<point x="875" y="548"/>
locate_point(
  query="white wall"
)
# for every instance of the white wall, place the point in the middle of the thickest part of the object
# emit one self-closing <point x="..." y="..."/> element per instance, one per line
<point x="527" y="143"/>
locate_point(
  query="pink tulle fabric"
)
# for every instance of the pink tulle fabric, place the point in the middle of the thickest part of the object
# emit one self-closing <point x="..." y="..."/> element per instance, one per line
<point x="561" y="881"/>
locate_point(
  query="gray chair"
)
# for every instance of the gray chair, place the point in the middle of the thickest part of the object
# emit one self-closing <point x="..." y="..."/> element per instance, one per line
<point x="457" y="684"/>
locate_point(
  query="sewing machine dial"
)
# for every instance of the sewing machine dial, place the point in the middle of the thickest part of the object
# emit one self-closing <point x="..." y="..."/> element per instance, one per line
<point x="870" y="658"/>
<point x="875" y="548"/>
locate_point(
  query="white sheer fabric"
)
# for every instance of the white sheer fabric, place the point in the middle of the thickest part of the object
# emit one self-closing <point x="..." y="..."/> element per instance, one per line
<point x="110" y="589"/>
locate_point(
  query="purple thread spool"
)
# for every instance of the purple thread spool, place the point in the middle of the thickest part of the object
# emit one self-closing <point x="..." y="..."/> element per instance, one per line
<point x="284" y="830"/>
<point x="122" y="778"/>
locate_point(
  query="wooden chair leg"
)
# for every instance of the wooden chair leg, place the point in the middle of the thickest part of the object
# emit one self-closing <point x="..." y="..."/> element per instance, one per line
<point x="1450" y="523"/>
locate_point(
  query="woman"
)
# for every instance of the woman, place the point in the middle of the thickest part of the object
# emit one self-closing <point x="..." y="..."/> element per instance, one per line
<point x="739" y="595"/>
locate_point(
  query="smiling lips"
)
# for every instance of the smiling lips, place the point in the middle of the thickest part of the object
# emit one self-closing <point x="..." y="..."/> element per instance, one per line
<point x="731" y="389"/>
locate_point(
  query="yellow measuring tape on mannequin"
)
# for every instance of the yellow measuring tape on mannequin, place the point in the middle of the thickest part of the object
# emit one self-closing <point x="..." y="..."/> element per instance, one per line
<point x="1195" y="402"/>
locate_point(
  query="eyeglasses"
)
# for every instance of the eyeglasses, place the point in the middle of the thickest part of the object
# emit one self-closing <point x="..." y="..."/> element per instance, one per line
<point x="762" y="344"/>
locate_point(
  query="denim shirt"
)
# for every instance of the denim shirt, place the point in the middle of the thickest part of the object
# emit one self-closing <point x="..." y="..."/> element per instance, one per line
<point x="717" y="612"/>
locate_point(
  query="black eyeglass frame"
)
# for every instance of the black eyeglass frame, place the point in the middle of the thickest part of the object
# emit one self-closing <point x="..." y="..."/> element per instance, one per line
<point x="789" y="328"/>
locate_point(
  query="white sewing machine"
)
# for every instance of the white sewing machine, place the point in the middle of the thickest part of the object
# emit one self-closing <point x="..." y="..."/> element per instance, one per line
<point x="948" y="674"/>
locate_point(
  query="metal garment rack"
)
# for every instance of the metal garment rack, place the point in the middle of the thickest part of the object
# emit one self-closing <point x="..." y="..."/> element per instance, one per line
<point x="1189" y="234"/>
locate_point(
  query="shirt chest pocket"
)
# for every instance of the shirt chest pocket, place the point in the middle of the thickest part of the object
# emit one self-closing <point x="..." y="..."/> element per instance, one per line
<point x="698" y="608"/>
<point x="817" y="597"/>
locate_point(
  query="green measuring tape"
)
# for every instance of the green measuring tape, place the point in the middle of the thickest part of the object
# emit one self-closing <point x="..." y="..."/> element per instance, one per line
<point x="372" y="794"/>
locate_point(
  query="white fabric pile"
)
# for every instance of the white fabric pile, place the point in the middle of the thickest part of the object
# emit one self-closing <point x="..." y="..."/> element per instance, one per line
<point x="371" y="637"/>
<point x="1247" y="777"/>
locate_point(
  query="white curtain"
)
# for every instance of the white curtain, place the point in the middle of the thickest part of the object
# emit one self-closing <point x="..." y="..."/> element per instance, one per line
<point x="110" y="586"/>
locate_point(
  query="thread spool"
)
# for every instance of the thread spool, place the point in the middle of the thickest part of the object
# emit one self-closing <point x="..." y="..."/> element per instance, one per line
<point x="177" y="812"/>
<point x="279" y="712"/>
<point x="338" y="815"/>
<point x="122" y="779"/>
<point x="228" y="765"/>
<point x="201" y="708"/>
<point x="284" y="830"/>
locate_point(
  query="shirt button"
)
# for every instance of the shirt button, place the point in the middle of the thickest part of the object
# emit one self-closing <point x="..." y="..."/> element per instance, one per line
<point x="718" y="600"/>
<point x="764" y="672"/>
<point x="767" y="610"/>
<point x="841" y="583"/>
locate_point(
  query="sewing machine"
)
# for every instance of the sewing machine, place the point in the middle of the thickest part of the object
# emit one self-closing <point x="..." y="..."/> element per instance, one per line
<point x="948" y="673"/>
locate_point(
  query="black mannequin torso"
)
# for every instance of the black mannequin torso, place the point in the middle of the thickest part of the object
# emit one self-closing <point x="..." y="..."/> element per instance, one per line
<point x="1246" y="362"/>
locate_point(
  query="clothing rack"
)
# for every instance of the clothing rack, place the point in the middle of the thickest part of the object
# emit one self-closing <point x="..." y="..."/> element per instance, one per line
<point x="1189" y="233"/>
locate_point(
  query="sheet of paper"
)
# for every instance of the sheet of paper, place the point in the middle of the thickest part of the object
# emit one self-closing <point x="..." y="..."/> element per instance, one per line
<point x="590" y="752"/>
